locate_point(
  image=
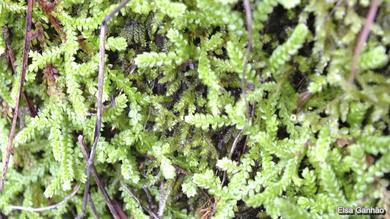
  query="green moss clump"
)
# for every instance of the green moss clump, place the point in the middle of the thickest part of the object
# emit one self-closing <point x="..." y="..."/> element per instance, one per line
<point x="180" y="138"/>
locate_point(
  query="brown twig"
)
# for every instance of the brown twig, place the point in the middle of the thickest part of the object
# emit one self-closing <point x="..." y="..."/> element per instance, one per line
<point x="148" y="196"/>
<point x="116" y="213"/>
<point x="47" y="7"/>
<point x="50" y="207"/>
<point x="10" y="51"/>
<point x="151" y="213"/>
<point x="151" y="207"/>
<point x="363" y="38"/>
<point x="93" y="208"/>
<point x="30" y="105"/>
<point x="118" y="208"/>
<point x="12" y="60"/>
<point x="99" y="106"/>
<point x="27" y="40"/>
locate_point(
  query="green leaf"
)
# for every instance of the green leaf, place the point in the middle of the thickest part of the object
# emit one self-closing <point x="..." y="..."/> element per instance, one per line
<point x="116" y="44"/>
<point x="288" y="4"/>
<point x="167" y="169"/>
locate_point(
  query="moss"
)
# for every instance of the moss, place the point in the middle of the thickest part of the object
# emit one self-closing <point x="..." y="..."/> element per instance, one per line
<point x="178" y="129"/>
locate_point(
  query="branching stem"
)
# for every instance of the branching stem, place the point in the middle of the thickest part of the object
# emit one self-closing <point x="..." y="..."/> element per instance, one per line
<point x="99" y="183"/>
<point x="99" y="106"/>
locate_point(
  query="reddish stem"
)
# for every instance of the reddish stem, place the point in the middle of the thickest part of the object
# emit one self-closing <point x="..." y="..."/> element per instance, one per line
<point x="363" y="38"/>
<point x="112" y="205"/>
<point x="12" y="60"/>
<point x="27" y="40"/>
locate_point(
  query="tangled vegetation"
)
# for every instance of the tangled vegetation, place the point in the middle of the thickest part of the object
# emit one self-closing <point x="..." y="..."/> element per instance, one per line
<point x="211" y="109"/>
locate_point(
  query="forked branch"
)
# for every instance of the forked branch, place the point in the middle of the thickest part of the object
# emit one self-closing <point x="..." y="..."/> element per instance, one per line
<point x="99" y="106"/>
<point x="116" y="213"/>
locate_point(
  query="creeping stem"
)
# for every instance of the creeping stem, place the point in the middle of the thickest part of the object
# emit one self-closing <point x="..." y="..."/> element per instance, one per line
<point x="26" y="50"/>
<point x="98" y="123"/>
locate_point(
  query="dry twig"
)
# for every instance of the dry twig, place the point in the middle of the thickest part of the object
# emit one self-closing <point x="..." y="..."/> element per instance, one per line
<point x="93" y="208"/>
<point x="50" y="207"/>
<point x="10" y="51"/>
<point x="116" y="213"/>
<point x="244" y="85"/>
<point x="99" y="106"/>
<point x="27" y="40"/>
<point x="12" y="60"/>
<point x="235" y="142"/>
<point x="363" y="38"/>
<point x="248" y="19"/>
<point x="151" y="213"/>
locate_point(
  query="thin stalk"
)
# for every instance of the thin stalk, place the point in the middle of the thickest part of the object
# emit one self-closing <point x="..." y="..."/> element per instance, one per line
<point x="26" y="50"/>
